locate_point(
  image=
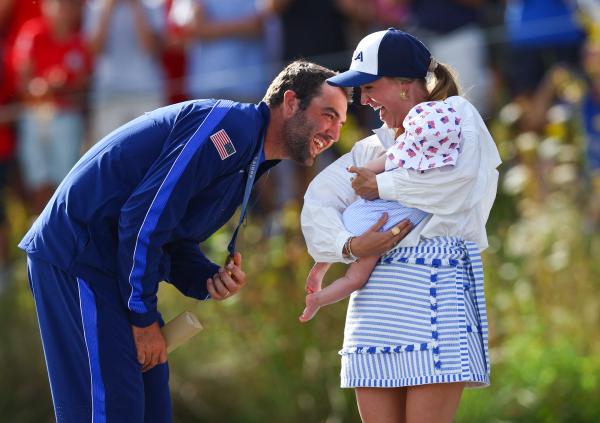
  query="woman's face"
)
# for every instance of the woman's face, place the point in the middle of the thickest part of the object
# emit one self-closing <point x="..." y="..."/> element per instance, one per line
<point x="384" y="95"/>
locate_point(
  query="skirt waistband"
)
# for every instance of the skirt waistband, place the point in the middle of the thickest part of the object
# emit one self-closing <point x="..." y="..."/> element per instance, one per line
<point x="440" y="250"/>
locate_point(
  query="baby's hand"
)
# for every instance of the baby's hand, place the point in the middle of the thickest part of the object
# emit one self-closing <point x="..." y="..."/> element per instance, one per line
<point x="315" y="277"/>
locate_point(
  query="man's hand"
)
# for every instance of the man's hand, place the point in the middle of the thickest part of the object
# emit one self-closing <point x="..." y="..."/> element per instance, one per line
<point x="228" y="281"/>
<point x="364" y="183"/>
<point x="150" y="345"/>
<point x="375" y="243"/>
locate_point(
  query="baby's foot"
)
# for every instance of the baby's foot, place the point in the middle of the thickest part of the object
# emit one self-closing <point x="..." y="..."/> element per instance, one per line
<point x="311" y="308"/>
<point x="314" y="279"/>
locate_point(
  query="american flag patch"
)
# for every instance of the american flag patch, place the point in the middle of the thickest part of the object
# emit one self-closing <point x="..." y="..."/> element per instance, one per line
<point x="223" y="144"/>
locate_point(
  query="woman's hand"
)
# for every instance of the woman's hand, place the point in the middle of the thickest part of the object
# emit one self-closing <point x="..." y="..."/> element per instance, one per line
<point x="375" y="243"/>
<point x="364" y="183"/>
<point x="150" y="345"/>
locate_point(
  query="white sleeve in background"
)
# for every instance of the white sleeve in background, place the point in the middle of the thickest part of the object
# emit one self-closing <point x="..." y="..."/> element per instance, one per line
<point x="327" y="196"/>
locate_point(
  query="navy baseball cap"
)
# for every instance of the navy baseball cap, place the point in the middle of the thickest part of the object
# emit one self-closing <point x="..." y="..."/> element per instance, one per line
<point x="391" y="53"/>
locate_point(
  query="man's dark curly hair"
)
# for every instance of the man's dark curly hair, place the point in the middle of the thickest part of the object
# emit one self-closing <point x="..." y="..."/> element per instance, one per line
<point x="302" y="77"/>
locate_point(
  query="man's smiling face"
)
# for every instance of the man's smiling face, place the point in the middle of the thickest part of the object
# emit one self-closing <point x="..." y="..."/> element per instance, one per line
<point x="313" y="130"/>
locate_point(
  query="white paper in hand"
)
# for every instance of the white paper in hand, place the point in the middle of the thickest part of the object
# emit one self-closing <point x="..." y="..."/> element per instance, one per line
<point x="180" y="329"/>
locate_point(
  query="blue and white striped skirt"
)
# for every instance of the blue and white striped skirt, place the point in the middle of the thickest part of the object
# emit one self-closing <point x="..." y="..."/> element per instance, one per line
<point x="420" y="319"/>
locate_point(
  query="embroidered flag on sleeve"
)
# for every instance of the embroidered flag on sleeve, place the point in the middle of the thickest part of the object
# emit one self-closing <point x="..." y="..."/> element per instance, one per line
<point x="223" y="144"/>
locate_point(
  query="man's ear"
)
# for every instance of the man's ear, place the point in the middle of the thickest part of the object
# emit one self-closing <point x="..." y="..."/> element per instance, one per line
<point x="290" y="103"/>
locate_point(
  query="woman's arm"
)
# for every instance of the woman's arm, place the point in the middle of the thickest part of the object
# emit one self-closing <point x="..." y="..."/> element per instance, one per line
<point x="150" y="40"/>
<point x="327" y="197"/>
<point x="97" y="38"/>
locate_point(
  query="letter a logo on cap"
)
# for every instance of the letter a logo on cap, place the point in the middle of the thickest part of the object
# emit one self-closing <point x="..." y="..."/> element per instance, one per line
<point x="359" y="56"/>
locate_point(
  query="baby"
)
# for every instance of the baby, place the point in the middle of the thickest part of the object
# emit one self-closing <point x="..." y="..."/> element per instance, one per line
<point x="431" y="139"/>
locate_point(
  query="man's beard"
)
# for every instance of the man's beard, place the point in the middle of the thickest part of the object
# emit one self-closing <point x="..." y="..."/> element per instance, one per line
<point x="297" y="137"/>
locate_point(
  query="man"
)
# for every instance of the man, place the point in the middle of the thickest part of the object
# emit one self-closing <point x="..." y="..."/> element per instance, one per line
<point x="132" y="213"/>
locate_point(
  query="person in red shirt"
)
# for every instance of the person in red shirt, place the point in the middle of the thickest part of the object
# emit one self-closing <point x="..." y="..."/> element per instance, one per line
<point x="173" y="55"/>
<point x="52" y="64"/>
<point x="13" y="14"/>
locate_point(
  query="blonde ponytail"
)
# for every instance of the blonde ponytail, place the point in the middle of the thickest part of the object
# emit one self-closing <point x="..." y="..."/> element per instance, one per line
<point x="445" y="83"/>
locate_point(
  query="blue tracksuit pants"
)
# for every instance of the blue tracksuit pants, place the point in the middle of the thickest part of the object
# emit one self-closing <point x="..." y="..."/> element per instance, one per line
<point x="90" y="353"/>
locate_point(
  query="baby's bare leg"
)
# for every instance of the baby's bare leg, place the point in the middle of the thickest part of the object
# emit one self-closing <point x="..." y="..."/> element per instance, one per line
<point x="315" y="277"/>
<point x="356" y="276"/>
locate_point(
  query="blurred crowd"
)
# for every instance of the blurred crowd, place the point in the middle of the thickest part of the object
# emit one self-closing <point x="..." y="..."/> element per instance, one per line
<point x="74" y="70"/>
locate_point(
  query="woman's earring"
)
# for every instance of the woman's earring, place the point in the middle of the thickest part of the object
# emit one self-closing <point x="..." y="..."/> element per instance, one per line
<point x="403" y="95"/>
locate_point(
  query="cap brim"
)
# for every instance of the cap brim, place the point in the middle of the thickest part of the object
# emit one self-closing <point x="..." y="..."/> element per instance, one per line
<point x="352" y="78"/>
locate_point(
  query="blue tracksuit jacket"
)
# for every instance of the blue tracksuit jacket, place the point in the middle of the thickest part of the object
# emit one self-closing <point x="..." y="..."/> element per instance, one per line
<point x="133" y="209"/>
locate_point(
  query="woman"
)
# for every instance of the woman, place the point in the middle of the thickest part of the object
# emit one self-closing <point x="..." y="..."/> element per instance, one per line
<point x="416" y="333"/>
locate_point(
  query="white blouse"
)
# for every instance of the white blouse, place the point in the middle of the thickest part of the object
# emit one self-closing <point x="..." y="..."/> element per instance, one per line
<point x="459" y="197"/>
